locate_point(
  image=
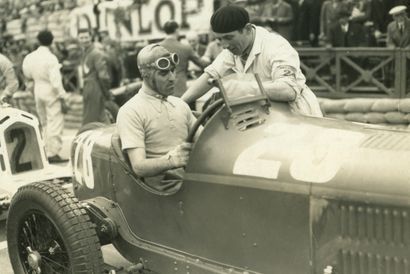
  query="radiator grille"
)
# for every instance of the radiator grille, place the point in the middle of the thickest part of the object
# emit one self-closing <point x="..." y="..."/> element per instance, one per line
<point x="367" y="263"/>
<point x="375" y="224"/>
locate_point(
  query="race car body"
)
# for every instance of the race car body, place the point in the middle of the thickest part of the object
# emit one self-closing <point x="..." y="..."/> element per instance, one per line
<point x="265" y="191"/>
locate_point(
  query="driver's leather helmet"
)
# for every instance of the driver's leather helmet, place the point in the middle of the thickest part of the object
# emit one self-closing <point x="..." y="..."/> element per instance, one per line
<point x="148" y="55"/>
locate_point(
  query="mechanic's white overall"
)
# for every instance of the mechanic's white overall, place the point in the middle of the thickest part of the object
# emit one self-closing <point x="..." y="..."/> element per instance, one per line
<point x="43" y="68"/>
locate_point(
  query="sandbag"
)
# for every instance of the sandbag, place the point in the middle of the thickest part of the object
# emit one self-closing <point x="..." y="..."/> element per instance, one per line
<point x="358" y="105"/>
<point x="332" y="106"/>
<point x="404" y="105"/>
<point x="375" y="117"/>
<point x="395" y="117"/>
<point x="356" y="117"/>
<point x="385" y="105"/>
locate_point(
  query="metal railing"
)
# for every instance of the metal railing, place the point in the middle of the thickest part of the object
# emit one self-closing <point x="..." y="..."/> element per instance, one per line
<point x="356" y="72"/>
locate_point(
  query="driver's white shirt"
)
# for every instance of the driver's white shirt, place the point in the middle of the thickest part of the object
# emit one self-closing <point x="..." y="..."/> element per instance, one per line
<point x="271" y="55"/>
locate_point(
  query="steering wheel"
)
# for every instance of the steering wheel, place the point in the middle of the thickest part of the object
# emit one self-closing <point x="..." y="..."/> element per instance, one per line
<point x="203" y="117"/>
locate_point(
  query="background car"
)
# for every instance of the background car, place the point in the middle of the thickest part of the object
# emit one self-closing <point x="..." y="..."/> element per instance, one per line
<point x="22" y="155"/>
<point x="265" y="191"/>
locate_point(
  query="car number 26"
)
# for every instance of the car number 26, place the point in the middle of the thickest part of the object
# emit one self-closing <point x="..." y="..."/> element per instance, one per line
<point x="83" y="166"/>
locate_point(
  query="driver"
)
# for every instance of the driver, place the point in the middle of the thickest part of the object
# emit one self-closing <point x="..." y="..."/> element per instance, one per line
<point x="251" y="49"/>
<point x="153" y="125"/>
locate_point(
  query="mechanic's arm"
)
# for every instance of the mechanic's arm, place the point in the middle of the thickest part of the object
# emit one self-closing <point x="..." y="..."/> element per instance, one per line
<point x="280" y="91"/>
<point x="198" y="88"/>
<point x="178" y="157"/>
<point x="283" y="88"/>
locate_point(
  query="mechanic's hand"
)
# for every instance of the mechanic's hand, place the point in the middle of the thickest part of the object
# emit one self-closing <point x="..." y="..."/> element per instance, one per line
<point x="64" y="106"/>
<point x="178" y="157"/>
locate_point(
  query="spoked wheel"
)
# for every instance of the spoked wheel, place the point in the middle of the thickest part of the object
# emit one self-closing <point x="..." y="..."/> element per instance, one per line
<point x="48" y="231"/>
<point x="41" y="248"/>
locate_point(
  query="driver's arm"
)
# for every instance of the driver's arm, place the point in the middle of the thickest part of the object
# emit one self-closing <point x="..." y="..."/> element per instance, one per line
<point x="198" y="88"/>
<point x="145" y="167"/>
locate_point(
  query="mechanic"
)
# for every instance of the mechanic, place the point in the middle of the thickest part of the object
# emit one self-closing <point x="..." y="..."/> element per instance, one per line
<point x="251" y="49"/>
<point x="42" y="67"/>
<point x="153" y="125"/>
<point x="8" y="80"/>
<point x="97" y="80"/>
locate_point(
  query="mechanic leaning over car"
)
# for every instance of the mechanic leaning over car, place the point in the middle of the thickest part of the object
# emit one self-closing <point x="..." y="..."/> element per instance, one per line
<point x="250" y="49"/>
<point x="153" y="125"/>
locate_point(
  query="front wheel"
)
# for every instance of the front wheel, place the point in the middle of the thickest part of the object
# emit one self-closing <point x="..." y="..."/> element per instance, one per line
<point x="48" y="231"/>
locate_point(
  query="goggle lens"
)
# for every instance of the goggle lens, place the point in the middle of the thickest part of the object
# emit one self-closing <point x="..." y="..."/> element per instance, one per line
<point x="164" y="63"/>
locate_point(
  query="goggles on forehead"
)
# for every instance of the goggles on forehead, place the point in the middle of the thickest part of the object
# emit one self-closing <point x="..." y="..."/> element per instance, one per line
<point x="165" y="62"/>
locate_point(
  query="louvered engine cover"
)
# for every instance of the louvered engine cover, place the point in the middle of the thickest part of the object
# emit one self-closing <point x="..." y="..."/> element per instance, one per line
<point x="357" y="238"/>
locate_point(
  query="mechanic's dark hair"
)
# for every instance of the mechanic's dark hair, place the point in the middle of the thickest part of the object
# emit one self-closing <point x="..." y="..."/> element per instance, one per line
<point x="45" y="37"/>
<point x="170" y="26"/>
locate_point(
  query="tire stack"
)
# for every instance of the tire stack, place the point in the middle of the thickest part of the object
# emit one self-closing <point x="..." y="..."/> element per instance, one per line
<point x="390" y="112"/>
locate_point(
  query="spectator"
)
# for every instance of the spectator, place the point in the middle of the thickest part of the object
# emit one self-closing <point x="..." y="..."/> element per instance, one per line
<point x="97" y="82"/>
<point x="316" y="7"/>
<point x="185" y="53"/>
<point x="254" y="9"/>
<point x="42" y="67"/>
<point x="212" y="51"/>
<point x="112" y="51"/>
<point x="360" y="11"/>
<point x="304" y="22"/>
<point x="280" y="15"/>
<point x="346" y="34"/>
<point x="131" y="71"/>
<point x="379" y="16"/>
<point x="398" y="31"/>
<point x="147" y="121"/>
<point x="8" y="79"/>
<point x="328" y="16"/>
<point x="193" y="40"/>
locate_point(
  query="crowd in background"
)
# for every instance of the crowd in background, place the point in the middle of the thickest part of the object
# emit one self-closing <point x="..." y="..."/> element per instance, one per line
<point x="306" y="23"/>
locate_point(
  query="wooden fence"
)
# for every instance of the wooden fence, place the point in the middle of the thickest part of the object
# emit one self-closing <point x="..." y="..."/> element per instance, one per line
<point x="356" y="72"/>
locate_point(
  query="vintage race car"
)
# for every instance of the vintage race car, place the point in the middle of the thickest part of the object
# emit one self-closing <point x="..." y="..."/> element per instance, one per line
<point x="265" y="191"/>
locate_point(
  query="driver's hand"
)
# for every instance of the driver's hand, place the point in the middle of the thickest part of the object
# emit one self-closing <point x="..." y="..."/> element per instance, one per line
<point x="178" y="157"/>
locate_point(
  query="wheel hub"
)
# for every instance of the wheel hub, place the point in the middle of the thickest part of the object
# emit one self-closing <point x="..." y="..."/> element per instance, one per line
<point x="34" y="259"/>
